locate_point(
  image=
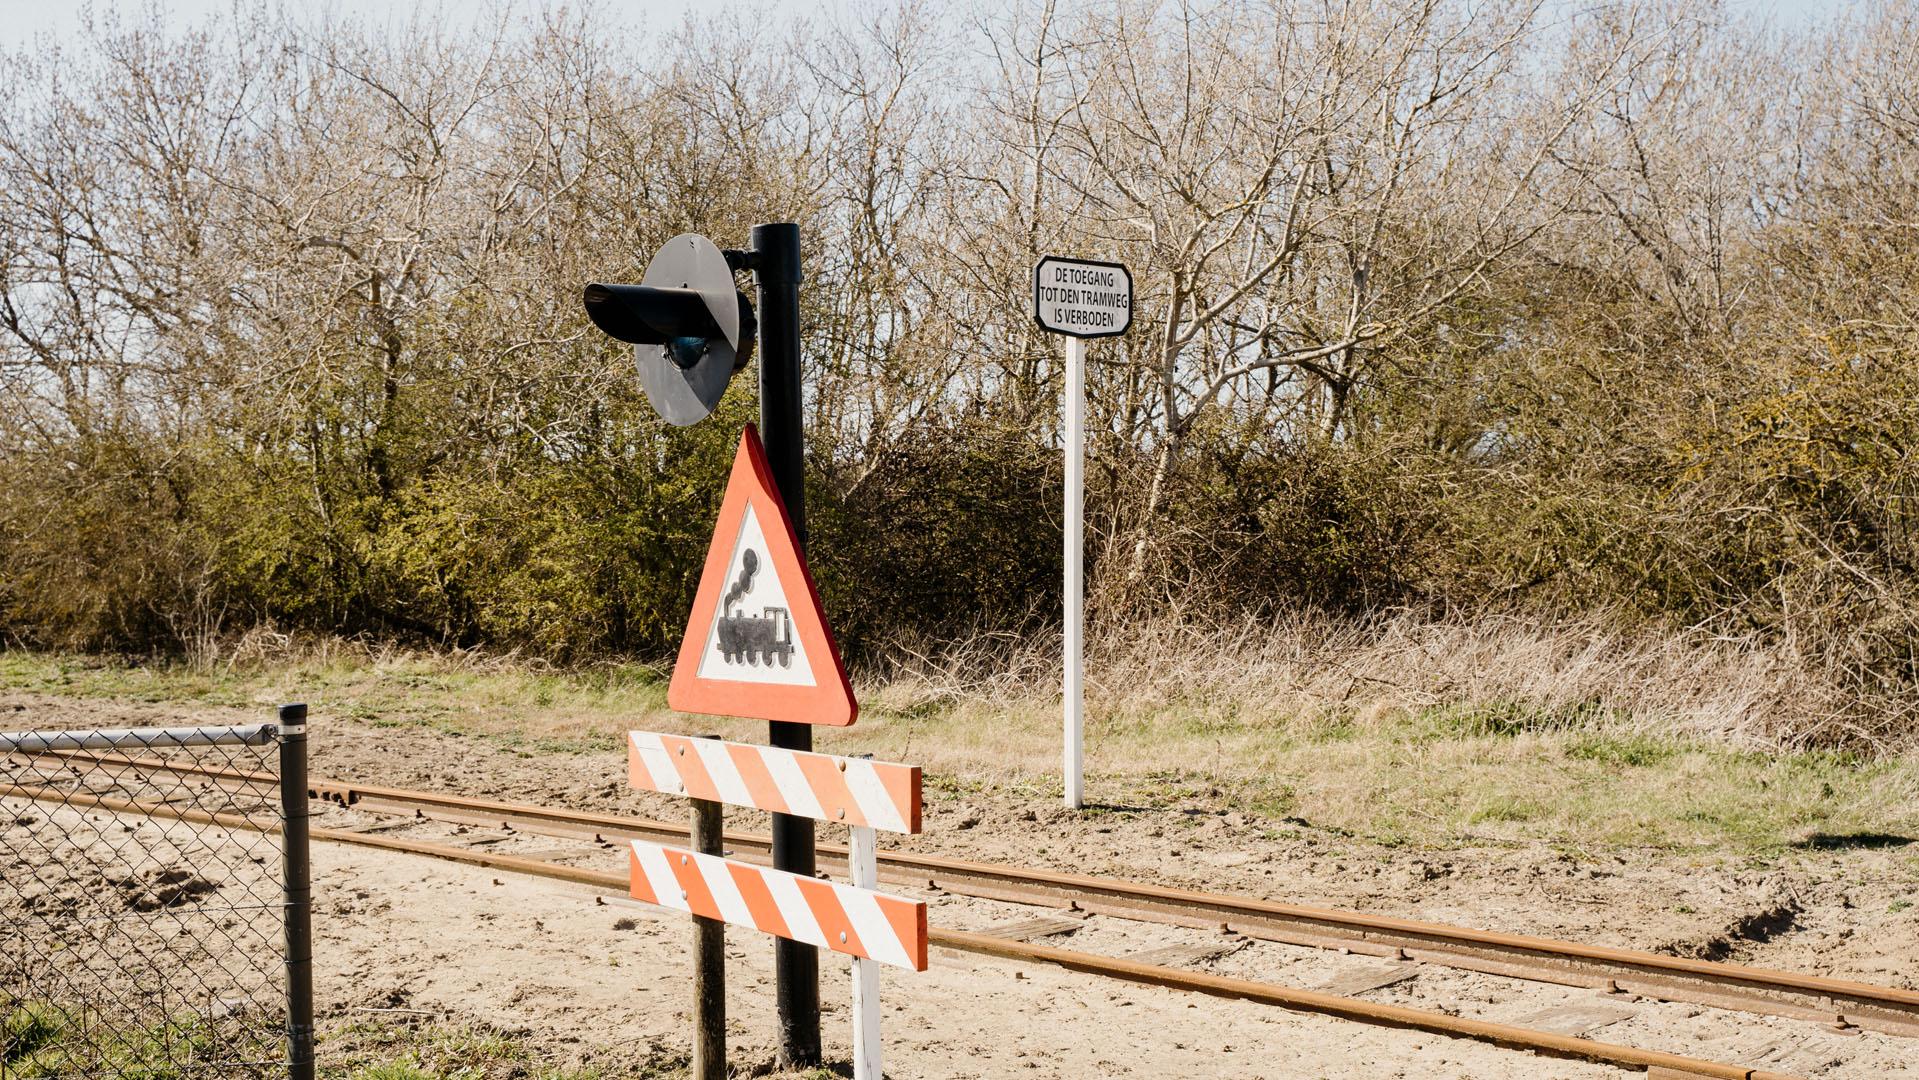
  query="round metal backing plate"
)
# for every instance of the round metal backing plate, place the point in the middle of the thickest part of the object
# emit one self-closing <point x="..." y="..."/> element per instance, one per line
<point x="684" y="396"/>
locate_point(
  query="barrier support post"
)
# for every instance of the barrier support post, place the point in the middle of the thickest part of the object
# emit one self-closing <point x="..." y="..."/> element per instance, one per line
<point x="709" y="961"/>
<point x="863" y="866"/>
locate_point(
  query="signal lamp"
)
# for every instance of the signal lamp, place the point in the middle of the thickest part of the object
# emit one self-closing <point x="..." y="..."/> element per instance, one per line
<point x="690" y="328"/>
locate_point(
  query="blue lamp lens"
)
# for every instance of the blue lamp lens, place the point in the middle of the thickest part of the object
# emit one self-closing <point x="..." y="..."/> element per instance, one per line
<point x="686" y="351"/>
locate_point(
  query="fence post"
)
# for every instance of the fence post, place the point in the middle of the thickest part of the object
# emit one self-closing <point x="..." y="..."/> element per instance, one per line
<point x="299" y="891"/>
<point x="709" y="958"/>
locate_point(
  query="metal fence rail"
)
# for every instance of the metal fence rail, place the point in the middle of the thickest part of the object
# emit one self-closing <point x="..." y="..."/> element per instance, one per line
<point x="154" y="925"/>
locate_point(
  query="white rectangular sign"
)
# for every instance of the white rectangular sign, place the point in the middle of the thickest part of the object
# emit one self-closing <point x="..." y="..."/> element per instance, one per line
<point x="1082" y="298"/>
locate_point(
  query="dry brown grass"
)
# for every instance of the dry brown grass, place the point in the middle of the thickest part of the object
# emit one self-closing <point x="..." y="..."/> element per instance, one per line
<point x="1400" y="729"/>
<point x="1427" y="731"/>
<point x="1314" y="669"/>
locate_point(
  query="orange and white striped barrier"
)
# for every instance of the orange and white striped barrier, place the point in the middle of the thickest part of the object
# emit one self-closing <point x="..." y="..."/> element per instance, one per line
<point x="845" y="919"/>
<point x="845" y="791"/>
<point x="871" y="926"/>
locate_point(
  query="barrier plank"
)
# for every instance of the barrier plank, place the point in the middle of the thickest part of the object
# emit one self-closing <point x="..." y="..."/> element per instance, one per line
<point x="847" y="791"/>
<point x="845" y="919"/>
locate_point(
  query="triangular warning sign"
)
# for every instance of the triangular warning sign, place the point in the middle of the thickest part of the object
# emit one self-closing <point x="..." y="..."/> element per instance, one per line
<point x="757" y="643"/>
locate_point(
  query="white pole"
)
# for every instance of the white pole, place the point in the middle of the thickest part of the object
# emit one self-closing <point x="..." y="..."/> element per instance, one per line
<point x="1075" y="568"/>
<point x="864" y="867"/>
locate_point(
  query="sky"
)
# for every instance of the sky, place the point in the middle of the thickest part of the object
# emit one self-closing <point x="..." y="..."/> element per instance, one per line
<point x="21" y="20"/>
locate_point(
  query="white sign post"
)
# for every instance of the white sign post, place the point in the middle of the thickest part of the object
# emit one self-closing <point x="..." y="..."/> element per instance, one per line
<point x="863" y="867"/>
<point x="1080" y="299"/>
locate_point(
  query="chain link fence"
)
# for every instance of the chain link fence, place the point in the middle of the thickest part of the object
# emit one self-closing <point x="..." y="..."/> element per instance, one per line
<point x="153" y="903"/>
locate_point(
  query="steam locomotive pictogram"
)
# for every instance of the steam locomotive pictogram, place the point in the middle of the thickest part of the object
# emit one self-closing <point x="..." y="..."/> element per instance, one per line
<point x="760" y="639"/>
<point x="754" y="639"/>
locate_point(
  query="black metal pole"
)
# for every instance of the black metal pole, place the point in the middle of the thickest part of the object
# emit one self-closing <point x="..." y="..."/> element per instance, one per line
<point x="709" y="960"/>
<point x="298" y="874"/>
<point x="776" y="256"/>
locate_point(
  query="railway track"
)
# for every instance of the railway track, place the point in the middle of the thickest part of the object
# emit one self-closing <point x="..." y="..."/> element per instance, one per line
<point x="1725" y="986"/>
<point x="1840" y="1003"/>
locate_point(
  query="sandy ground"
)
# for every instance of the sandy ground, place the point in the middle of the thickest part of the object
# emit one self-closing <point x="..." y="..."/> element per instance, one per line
<point x="592" y="979"/>
<point x="546" y="958"/>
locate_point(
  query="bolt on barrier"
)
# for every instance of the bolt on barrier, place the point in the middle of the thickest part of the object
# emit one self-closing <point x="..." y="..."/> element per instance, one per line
<point x="155" y="924"/>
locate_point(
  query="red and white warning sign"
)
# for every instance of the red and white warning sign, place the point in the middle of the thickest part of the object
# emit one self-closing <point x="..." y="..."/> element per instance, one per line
<point x="757" y="643"/>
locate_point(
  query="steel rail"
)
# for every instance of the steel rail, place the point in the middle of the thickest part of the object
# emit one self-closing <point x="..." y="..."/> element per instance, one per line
<point x="1841" y="1003"/>
<point x="1674" y="1066"/>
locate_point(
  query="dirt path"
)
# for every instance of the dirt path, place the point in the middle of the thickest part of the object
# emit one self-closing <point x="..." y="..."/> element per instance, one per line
<point x="591" y="982"/>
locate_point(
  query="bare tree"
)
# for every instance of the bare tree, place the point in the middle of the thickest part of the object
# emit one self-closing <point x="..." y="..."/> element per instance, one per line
<point x="1301" y="184"/>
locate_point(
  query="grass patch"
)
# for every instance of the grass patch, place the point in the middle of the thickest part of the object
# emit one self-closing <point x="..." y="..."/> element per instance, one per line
<point x="440" y="1052"/>
<point x="526" y="708"/>
<point x="43" y="1040"/>
<point x="1502" y="719"/>
<point x="1620" y="751"/>
<point x="1431" y="775"/>
<point x="388" y="1050"/>
<point x="26" y="1029"/>
<point x="1501" y="807"/>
